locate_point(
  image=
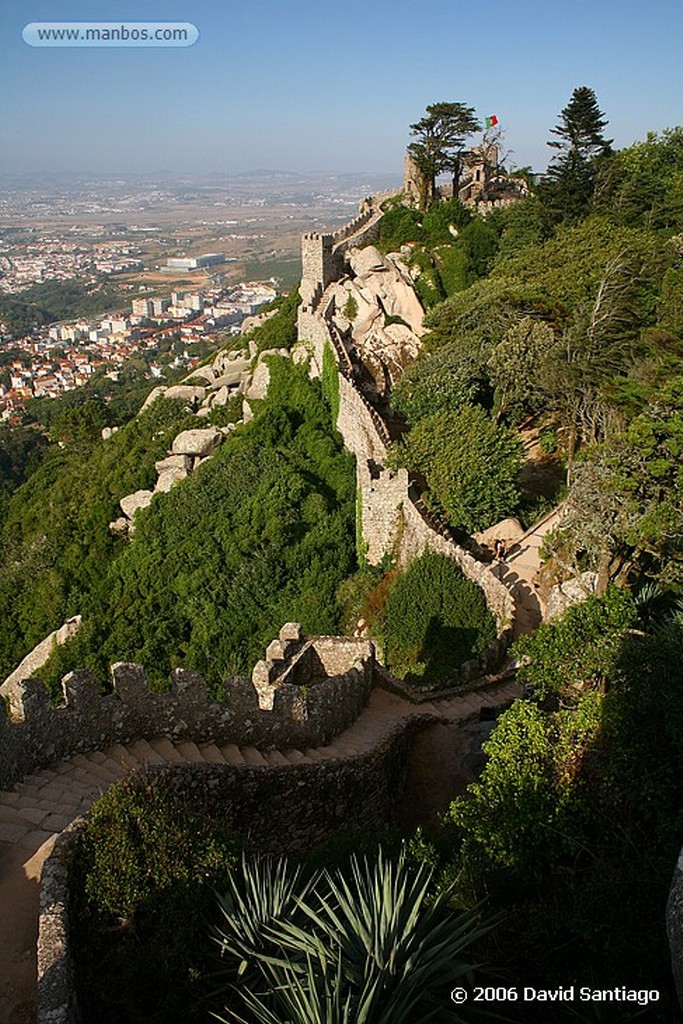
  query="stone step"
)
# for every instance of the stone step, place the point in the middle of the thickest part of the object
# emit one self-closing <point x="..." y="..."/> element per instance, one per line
<point x="56" y="793"/>
<point x="189" y="751"/>
<point x="253" y="756"/>
<point x="95" y="770"/>
<point x="145" y="753"/>
<point x="346" y="748"/>
<point x="115" y="768"/>
<point x="34" y="839"/>
<point x="329" y="752"/>
<point x="276" y="757"/>
<point x="167" y="750"/>
<point x="211" y="753"/>
<point x="232" y="754"/>
<point x="57" y="822"/>
<point x="33" y="815"/>
<point x="121" y="755"/>
<point x="13" y="832"/>
<point x="10" y="815"/>
<point x="295" y="756"/>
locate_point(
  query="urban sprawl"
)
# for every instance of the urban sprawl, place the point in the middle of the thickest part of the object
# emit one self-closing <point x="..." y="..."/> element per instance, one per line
<point x="63" y="356"/>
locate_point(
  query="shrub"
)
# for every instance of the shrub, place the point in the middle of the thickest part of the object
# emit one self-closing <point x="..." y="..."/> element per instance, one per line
<point x="399" y="226"/>
<point x="350" y="309"/>
<point x="471" y="465"/>
<point x="146" y="869"/>
<point x="433" y="620"/>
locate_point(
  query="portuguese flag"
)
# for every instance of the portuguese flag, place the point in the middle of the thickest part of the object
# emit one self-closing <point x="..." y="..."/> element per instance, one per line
<point x="491" y="121"/>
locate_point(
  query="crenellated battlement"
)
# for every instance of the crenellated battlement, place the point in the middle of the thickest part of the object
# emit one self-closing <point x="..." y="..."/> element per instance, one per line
<point x="323" y="254"/>
<point x="302" y="694"/>
<point x="393" y="519"/>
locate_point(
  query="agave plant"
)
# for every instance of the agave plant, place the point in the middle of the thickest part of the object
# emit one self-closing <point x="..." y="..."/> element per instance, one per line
<point x="265" y="893"/>
<point x="369" y="946"/>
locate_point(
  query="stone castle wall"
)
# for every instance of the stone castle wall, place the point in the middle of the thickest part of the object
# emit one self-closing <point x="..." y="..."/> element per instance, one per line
<point x="35" y="734"/>
<point x="393" y="519"/>
<point x="322" y="255"/>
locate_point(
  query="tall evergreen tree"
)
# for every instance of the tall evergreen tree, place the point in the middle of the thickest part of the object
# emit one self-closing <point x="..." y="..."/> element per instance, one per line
<point x="570" y="181"/>
<point x="440" y="137"/>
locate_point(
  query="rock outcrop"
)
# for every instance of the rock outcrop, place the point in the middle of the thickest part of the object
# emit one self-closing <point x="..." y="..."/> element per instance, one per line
<point x="133" y="502"/>
<point x="197" y="443"/>
<point x="386" y="324"/>
<point x="564" y="595"/>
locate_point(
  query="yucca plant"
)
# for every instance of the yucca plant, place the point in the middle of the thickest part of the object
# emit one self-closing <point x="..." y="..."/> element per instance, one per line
<point x="266" y="892"/>
<point x="370" y="946"/>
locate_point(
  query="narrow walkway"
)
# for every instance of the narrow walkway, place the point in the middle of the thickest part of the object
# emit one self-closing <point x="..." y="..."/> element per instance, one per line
<point x="520" y="571"/>
<point x="35" y="810"/>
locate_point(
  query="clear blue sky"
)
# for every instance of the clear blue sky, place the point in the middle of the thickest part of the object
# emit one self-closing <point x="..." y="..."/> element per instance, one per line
<point x="325" y="86"/>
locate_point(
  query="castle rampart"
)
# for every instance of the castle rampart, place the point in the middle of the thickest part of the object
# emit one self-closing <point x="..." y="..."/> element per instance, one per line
<point x="393" y="519"/>
<point x="322" y="255"/>
<point x="283" y="714"/>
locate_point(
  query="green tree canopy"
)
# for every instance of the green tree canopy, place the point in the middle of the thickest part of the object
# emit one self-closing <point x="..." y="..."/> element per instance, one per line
<point x="470" y="465"/>
<point x="439" y="139"/>
<point x="571" y="175"/>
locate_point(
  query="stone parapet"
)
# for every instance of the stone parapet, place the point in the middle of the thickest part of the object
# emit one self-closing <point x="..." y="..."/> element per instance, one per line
<point x="308" y="712"/>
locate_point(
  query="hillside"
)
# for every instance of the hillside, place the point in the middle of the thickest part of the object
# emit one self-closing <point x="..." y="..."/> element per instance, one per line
<point x="481" y="368"/>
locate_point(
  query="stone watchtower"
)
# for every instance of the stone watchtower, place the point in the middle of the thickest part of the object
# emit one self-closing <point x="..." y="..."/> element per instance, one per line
<point x="414" y="183"/>
<point x="481" y="165"/>
<point x="319" y="266"/>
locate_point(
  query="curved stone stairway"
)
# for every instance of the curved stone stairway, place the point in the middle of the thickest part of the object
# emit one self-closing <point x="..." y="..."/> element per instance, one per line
<point x="39" y="807"/>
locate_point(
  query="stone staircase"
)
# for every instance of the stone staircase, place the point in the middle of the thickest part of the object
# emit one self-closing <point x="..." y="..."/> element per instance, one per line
<point x="43" y="804"/>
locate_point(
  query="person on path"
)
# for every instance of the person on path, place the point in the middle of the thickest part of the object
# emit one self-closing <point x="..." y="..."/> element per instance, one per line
<point x="499" y="549"/>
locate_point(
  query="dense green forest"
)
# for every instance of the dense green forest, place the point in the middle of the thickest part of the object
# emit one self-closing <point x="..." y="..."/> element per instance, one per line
<point x="261" y="534"/>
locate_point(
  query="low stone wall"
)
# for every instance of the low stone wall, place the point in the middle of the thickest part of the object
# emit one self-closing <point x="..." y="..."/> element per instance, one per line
<point x="279" y="809"/>
<point x="36" y="734"/>
<point x="57" y="1002"/>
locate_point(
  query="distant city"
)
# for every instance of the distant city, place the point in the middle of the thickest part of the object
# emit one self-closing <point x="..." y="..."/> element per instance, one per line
<point x="64" y="356"/>
<point x="163" y="259"/>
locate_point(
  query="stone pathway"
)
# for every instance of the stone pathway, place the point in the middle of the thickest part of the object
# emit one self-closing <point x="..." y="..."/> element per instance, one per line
<point x="43" y="804"/>
<point x="519" y="573"/>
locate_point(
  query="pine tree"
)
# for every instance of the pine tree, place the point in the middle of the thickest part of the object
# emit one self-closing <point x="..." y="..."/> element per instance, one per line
<point x="440" y="138"/>
<point x="570" y="180"/>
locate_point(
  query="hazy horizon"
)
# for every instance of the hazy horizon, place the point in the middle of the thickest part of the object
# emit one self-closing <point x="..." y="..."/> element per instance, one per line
<point x="287" y="87"/>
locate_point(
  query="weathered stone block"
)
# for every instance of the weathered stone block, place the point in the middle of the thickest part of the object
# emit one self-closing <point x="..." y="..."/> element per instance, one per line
<point x="276" y="651"/>
<point x="132" y="502"/>
<point x="291" y="632"/>
<point x="197" y="442"/>
<point x="189" y="684"/>
<point x="80" y="689"/>
<point x="290" y="702"/>
<point x="173" y="462"/>
<point x="169" y="478"/>
<point x="29" y="700"/>
<point x="186" y="392"/>
<point x="129" y="681"/>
